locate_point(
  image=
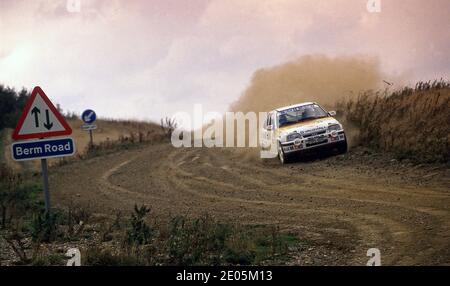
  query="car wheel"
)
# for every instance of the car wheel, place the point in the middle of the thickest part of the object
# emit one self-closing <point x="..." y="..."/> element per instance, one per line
<point x="343" y="146"/>
<point x="284" y="159"/>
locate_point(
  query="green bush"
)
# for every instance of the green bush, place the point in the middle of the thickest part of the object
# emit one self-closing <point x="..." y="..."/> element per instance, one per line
<point x="198" y="241"/>
<point x="49" y="260"/>
<point x="139" y="232"/>
<point x="43" y="227"/>
<point x="104" y="257"/>
<point x="17" y="200"/>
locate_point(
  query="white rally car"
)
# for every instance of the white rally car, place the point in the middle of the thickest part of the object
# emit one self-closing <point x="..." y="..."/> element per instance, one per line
<point x="301" y="127"/>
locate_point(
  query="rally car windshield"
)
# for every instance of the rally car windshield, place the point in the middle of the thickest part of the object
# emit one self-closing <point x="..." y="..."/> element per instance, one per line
<point x="300" y="113"/>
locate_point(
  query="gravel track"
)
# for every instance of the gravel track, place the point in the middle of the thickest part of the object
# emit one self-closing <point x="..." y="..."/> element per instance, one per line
<point x="341" y="205"/>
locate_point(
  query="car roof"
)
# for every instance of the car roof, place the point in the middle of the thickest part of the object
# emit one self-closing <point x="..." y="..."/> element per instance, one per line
<point x="294" y="105"/>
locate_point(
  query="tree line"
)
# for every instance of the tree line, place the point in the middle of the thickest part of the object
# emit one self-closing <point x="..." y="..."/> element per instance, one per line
<point x="12" y="103"/>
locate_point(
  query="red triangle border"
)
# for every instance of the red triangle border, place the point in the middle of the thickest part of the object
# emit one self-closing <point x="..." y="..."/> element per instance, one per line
<point x="38" y="90"/>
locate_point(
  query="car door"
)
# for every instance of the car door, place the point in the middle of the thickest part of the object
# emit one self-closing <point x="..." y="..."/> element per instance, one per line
<point x="272" y="134"/>
<point x="265" y="133"/>
<point x="268" y="149"/>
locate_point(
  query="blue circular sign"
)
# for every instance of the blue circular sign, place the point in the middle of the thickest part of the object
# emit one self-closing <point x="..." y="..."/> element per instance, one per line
<point x="88" y="116"/>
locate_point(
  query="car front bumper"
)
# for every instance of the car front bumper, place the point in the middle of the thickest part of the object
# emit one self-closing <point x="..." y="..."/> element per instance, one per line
<point x="323" y="140"/>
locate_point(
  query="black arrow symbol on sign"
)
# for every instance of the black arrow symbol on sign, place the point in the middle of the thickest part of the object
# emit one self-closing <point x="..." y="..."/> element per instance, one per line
<point x="35" y="111"/>
<point x="48" y="124"/>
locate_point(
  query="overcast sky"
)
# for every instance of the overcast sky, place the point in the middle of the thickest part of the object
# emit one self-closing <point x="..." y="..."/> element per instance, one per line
<point x="147" y="59"/>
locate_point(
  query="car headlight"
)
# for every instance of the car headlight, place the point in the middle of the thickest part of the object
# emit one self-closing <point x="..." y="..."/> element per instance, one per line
<point x="293" y="136"/>
<point x="334" y="127"/>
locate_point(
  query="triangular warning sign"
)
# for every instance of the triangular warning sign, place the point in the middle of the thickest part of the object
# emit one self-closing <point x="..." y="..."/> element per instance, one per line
<point x="40" y="119"/>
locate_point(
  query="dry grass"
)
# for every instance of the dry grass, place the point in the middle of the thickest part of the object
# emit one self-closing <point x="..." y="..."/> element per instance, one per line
<point x="110" y="130"/>
<point x="110" y="134"/>
<point x="413" y="123"/>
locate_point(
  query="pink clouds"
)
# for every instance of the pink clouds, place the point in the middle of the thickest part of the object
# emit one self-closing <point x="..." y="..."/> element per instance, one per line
<point x="164" y="55"/>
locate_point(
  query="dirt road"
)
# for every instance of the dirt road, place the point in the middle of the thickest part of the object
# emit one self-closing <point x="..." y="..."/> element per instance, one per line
<point x="341" y="206"/>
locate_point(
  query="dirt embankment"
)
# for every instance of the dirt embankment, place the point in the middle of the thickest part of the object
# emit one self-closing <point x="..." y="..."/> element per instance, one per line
<point x="412" y="123"/>
<point x="341" y="206"/>
<point x="108" y="130"/>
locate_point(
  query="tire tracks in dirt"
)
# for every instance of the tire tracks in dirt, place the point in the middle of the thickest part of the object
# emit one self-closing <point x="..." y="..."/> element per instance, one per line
<point x="320" y="201"/>
<point x="370" y="226"/>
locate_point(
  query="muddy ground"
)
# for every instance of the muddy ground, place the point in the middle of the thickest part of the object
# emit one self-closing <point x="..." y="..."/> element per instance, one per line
<point x="340" y="206"/>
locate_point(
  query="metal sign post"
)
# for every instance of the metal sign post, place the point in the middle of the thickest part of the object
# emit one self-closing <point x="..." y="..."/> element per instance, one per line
<point x="40" y="119"/>
<point x="43" y="149"/>
<point x="88" y="116"/>
<point x="91" y="137"/>
<point x="44" y="166"/>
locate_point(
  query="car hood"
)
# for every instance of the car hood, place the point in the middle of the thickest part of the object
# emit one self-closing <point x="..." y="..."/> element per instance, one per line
<point x="308" y="126"/>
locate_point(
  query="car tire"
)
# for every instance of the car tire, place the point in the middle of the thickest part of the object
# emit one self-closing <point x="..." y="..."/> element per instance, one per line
<point x="284" y="158"/>
<point x="343" y="146"/>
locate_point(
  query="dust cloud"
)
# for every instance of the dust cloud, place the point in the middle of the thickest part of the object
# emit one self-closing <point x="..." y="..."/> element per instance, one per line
<point x="318" y="78"/>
